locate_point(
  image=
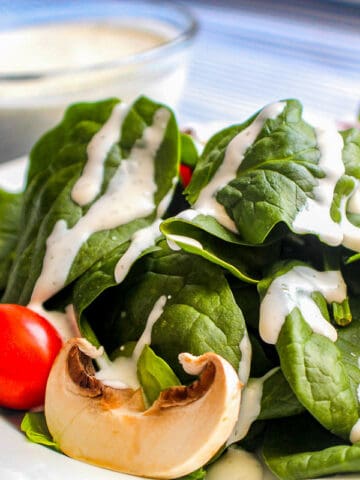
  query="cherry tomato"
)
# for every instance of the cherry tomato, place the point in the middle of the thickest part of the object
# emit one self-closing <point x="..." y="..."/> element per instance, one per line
<point x="28" y="347"/>
<point x="185" y="174"/>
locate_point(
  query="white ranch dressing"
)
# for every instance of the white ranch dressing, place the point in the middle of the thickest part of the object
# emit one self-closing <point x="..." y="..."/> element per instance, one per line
<point x="351" y="233"/>
<point x="294" y="289"/>
<point x="173" y="241"/>
<point x="130" y="195"/>
<point x="250" y="407"/>
<point x="234" y="155"/>
<point x="236" y="464"/>
<point x="88" y="185"/>
<point x="245" y="362"/>
<point x="50" y="47"/>
<point x="315" y="215"/>
<point x="140" y="241"/>
<point x="188" y="215"/>
<point x="143" y="239"/>
<point x="121" y="373"/>
<point x="64" y="323"/>
<point x="355" y="432"/>
<point x="353" y="205"/>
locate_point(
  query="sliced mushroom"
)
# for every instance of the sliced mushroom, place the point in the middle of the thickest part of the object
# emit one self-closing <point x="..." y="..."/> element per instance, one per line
<point x="111" y="428"/>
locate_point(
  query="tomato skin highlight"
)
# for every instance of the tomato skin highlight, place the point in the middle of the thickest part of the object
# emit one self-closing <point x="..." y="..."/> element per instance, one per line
<point x="185" y="174"/>
<point x="28" y="347"/>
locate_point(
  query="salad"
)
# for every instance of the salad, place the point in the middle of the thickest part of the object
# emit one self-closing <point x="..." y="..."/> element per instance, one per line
<point x="206" y="302"/>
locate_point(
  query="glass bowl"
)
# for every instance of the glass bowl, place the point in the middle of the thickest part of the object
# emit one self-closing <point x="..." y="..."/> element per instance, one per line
<point x="58" y="53"/>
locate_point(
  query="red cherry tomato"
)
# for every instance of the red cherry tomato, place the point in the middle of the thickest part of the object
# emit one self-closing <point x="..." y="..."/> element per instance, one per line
<point x="28" y="347"/>
<point x="185" y="174"/>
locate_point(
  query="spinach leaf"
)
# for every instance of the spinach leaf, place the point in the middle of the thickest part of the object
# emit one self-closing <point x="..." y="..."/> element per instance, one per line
<point x="200" y="313"/>
<point x="351" y="152"/>
<point x="276" y="176"/>
<point x="241" y="261"/>
<point x="314" y="367"/>
<point x="199" y="474"/>
<point x="154" y="374"/>
<point x="35" y="428"/>
<point x="204" y="236"/>
<point x="56" y="164"/>
<point x="10" y="207"/>
<point x="278" y="400"/>
<point x="189" y="152"/>
<point x="300" y="448"/>
<point x="96" y="289"/>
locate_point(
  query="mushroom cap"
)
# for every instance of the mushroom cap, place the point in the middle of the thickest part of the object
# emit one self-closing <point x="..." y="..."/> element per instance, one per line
<point x="109" y="427"/>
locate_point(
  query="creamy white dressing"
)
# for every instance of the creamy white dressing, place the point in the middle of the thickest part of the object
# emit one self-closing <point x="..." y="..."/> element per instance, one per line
<point x="355" y="433"/>
<point x="353" y="205"/>
<point x="188" y="215"/>
<point x="143" y="239"/>
<point x="121" y="373"/>
<point x="140" y="241"/>
<point x="64" y="323"/>
<point x="294" y="289"/>
<point x="315" y="215"/>
<point x="236" y="464"/>
<point x="250" y="407"/>
<point x="358" y="393"/>
<point x="88" y="185"/>
<point x="130" y="195"/>
<point x="245" y="362"/>
<point x="351" y="233"/>
<point x="234" y="155"/>
<point x="173" y="241"/>
<point x="50" y="47"/>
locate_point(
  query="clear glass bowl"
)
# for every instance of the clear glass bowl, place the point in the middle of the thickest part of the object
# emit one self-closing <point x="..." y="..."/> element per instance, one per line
<point x="35" y="90"/>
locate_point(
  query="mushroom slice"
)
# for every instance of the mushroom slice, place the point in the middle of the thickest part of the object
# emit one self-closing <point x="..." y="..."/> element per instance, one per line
<point x="111" y="428"/>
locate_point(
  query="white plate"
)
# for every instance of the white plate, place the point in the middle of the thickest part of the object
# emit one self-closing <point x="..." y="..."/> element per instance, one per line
<point x="21" y="459"/>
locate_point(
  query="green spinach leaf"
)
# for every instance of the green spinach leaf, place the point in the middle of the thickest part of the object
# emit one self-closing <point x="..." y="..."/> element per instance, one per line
<point x="276" y="176"/>
<point x="314" y="367"/>
<point x="35" y="428"/>
<point x="10" y="207"/>
<point x="154" y="374"/>
<point x="200" y="313"/>
<point x="299" y="448"/>
<point x="56" y="163"/>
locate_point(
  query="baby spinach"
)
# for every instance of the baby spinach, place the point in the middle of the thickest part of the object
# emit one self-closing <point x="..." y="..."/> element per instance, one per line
<point x="200" y="313"/>
<point x="278" y="400"/>
<point x="300" y="448"/>
<point x="276" y="176"/>
<point x="314" y="367"/>
<point x="56" y="163"/>
<point x="154" y="374"/>
<point x="35" y="428"/>
<point x="10" y="208"/>
<point x="213" y="279"/>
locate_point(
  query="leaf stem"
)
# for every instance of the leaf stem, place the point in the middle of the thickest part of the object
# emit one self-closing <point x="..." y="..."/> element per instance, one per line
<point x="342" y="313"/>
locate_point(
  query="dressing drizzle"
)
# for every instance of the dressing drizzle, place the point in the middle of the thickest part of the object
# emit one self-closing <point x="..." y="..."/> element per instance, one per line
<point x="129" y="196"/>
<point x="293" y="289"/>
<point x="121" y="373"/>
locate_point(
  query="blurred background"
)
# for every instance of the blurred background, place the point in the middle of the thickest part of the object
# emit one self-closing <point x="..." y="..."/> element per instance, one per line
<point x="213" y="61"/>
<point x="252" y="52"/>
